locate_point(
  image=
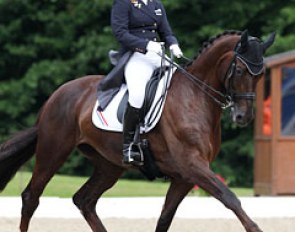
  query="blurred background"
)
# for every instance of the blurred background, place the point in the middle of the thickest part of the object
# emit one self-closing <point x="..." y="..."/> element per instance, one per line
<point x="46" y="43"/>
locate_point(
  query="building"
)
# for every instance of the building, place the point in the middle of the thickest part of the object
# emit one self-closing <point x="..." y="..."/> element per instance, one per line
<point x="274" y="165"/>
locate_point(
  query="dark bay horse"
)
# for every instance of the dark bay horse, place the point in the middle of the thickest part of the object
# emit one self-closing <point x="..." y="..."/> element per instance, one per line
<point x="185" y="141"/>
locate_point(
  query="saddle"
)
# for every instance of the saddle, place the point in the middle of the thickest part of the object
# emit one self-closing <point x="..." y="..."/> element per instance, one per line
<point x="113" y="98"/>
<point x="111" y="84"/>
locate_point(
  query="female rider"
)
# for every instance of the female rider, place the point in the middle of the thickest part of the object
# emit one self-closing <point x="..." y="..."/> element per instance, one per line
<point x="140" y="26"/>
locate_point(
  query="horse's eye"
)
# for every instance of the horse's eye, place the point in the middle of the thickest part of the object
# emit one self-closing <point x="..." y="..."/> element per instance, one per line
<point x="239" y="72"/>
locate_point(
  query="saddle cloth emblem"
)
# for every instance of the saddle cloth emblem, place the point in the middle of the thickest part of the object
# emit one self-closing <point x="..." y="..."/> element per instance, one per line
<point x="108" y="120"/>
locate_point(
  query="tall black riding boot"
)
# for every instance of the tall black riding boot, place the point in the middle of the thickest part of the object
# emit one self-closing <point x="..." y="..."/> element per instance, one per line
<point x="131" y="151"/>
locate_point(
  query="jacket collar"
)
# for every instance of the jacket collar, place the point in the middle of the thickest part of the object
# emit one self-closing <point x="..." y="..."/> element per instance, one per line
<point x="149" y="9"/>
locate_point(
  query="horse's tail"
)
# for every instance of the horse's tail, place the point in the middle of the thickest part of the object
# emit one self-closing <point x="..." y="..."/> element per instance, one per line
<point x="15" y="152"/>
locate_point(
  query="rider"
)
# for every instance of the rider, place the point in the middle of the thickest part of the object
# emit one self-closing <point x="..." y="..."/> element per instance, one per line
<point x="136" y="25"/>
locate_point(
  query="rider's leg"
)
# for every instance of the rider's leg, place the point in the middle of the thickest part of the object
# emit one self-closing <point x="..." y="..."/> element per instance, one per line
<point x="138" y="71"/>
<point x="130" y="122"/>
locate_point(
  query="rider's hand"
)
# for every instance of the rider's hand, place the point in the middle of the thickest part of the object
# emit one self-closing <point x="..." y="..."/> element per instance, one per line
<point x="176" y="51"/>
<point x="154" y="47"/>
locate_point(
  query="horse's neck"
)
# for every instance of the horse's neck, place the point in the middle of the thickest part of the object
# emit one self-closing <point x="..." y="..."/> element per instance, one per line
<point x="194" y="99"/>
<point x="211" y="66"/>
<point x="208" y="66"/>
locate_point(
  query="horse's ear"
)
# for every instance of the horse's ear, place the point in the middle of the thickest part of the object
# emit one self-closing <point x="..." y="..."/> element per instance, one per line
<point x="269" y="41"/>
<point x="244" y="41"/>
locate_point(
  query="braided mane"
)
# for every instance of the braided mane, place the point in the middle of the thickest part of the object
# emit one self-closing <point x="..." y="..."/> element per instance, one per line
<point x="210" y="42"/>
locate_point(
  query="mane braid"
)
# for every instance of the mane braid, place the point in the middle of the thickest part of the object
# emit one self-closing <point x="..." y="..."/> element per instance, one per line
<point x="209" y="43"/>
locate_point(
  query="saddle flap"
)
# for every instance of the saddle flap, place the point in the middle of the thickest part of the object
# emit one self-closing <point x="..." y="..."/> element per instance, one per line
<point x="108" y="118"/>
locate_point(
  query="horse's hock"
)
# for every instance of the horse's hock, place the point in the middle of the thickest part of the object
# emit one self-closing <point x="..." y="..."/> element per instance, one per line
<point x="275" y="127"/>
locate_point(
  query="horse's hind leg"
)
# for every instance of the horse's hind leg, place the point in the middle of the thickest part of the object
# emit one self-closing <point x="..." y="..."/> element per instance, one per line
<point x="51" y="153"/>
<point x="177" y="191"/>
<point x="105" y="175"/>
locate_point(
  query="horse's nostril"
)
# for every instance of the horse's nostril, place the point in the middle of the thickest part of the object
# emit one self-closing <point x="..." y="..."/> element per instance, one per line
<point x="239" y="117"/>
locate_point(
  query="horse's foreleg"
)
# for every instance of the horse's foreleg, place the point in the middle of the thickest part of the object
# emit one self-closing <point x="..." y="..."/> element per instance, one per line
<point x="207" y="180"/>
<point x="104" y="177"/>
<point x="177" y="191"/>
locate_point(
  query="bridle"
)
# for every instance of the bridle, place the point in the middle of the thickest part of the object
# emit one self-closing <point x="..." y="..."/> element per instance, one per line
<point x="229" y="86"/>
<point x="232" y="70"/>
<point x="227" y="99"/>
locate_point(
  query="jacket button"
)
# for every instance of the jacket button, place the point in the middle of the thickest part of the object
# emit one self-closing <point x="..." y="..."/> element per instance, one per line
<point x="153" y="31"/>
<point x="143" y="31"/>
<point x="155" y="39"/>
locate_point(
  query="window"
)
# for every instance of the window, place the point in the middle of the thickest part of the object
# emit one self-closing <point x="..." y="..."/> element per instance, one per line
<point x="288" y="102"/>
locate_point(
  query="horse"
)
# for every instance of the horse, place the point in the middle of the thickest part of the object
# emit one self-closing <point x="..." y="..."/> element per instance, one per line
<point x="184" y="142"/>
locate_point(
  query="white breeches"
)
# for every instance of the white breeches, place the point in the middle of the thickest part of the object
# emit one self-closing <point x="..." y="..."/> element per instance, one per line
<point x="138" y="72"/>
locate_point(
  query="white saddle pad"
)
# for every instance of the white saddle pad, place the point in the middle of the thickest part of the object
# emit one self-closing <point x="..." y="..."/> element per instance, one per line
<point x="107" y="119"/>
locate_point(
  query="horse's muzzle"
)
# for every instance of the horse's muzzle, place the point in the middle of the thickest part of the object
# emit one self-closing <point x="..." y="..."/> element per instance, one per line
<point x="242" y="117"/>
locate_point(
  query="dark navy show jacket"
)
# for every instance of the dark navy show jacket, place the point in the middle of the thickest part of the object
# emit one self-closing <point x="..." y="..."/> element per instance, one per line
<point x="134" y="24"/>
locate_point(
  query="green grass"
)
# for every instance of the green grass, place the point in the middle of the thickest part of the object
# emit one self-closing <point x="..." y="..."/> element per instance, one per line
<point x="66" y="186"/>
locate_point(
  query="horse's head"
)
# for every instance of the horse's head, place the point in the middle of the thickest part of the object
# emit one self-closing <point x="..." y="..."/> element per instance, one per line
<point x="245" y="70"/>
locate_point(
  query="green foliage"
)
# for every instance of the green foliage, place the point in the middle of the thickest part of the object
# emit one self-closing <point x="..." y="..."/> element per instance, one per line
<point x="45" y="43"/>
<point x="202" y="19"/>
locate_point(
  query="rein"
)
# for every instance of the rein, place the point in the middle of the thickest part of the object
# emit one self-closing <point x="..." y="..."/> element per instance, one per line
<point x="227" y="99"/>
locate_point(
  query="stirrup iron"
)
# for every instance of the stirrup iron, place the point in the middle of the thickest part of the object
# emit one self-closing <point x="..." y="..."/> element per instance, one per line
<point x="133" y="154"/>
